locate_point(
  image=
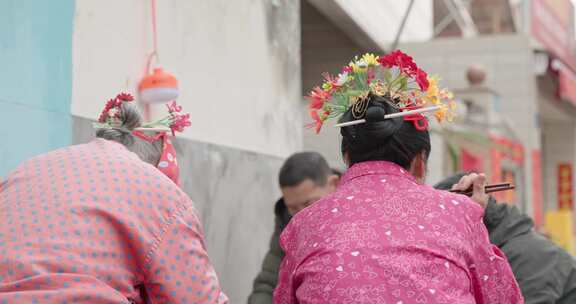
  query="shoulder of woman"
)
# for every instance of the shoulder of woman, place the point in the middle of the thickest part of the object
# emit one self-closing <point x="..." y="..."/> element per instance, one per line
<point x="461" y="204"/>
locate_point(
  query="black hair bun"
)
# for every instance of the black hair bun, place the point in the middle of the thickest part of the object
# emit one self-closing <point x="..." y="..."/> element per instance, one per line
<point x="375" y="114"/>
<point x="376" y="130"/>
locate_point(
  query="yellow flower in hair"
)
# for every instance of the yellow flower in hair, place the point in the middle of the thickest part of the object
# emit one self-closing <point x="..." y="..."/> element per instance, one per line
<point x="370" y="59"/>
<point x="356" y="67"/>
<point x="446" y="111"/>
<point x="441" y="113"/>
<point x="432" y="94"/>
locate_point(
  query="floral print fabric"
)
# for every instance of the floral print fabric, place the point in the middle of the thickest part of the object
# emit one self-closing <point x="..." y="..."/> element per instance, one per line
<point x="383" y="238"/>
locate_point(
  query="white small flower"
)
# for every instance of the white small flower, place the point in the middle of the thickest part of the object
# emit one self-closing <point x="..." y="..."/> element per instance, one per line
<point x="342" y="78"/>
<point x="361" y="63"/>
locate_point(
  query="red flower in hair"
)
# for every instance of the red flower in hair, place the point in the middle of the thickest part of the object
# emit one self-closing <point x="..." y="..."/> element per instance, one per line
<point x="398" y="59"/>
<point x="317" y="121"/>
<point x="112" y="103"/>
<point x="179" y="122"/>
<point x="347" y="69"/>
<point x="422" y="80"/>
<point x="124" y="97"/>
<point x="317" y="98"/>
<point x="174" y="107"/>
<point x="388" y="60"/>
<point x="331" y="83"/>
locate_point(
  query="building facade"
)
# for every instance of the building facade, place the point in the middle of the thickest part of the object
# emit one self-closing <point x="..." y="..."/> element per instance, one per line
<point x="243" y="69"/>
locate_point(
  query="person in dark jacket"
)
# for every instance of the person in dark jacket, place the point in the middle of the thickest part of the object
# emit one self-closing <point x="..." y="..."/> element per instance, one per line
<point x="545" y="272"/>
<point x="304" y="178"/>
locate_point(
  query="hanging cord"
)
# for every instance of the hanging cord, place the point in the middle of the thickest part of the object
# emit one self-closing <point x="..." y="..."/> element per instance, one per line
<point x="153" y="54"/>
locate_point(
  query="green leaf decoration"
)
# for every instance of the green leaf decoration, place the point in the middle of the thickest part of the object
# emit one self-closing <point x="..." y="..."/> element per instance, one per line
<point x="403" y="83"/>
<point x="387" y="76"/>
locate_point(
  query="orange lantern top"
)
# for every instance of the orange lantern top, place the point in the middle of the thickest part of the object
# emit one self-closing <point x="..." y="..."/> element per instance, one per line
<point x="158" y="87"/>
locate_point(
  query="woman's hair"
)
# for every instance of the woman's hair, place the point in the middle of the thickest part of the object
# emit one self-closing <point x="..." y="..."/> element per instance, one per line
<point x="393" y="140"/>
<point x="130" y="119"/>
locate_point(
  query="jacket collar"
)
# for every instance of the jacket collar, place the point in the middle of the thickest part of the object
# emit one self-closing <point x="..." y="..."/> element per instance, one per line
<point x="376" y="168"/>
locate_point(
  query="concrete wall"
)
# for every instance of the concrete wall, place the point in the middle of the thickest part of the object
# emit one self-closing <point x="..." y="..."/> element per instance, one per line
<point x="374" y="23"/>
<point x="36" y="78"/>
<point x="238" y="63"/>
<point x="381" y="19"/>
<point x="508" y="61"/>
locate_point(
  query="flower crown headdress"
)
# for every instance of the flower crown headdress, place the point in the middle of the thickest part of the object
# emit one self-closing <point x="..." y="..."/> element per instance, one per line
<point x="175" y="121"/>
<point x="394" y="76"/>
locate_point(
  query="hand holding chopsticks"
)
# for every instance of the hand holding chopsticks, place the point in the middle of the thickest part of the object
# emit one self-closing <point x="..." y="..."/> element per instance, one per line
<point x="474" y="186"/>
<point x="488" y="189"/>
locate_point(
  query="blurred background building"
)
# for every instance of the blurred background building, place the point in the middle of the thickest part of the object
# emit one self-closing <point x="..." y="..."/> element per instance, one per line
<point x="244" y="67"/>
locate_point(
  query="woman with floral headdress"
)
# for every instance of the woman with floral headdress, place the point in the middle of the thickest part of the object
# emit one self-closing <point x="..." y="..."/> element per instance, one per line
<point x="105" y="222"/>
<point x="383" y="236"/>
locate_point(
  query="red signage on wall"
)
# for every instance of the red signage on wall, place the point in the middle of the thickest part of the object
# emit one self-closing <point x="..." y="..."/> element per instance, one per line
<point x="470" y="162"/>
<point x="496" y="170"/>
<point x="565" y="186"/>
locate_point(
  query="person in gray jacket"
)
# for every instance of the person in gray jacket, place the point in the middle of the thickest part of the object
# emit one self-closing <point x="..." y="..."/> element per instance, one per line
<point x="545" y="272"/>
<point x="304" y="178"/>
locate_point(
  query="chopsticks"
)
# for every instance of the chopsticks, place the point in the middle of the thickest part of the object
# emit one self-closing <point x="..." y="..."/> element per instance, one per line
<point x="487" y="189"/>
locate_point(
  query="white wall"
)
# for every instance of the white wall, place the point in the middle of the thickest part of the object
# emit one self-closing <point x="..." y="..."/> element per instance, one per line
<point x="237" y="62"/>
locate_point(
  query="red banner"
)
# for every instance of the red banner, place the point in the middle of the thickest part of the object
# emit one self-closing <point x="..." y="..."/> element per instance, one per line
<point x="470" y="162"/>
<point x="496" y="170"/>
<point x="510" y="149"/>
<point x="565" y="186"/>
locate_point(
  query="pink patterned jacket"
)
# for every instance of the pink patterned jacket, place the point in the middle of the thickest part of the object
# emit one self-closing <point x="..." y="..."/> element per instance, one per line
<point x="94" y="224"/>
<point x="383" y="238"/>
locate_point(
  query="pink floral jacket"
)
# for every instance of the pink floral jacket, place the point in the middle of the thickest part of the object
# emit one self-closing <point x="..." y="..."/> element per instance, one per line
<point x="383" y="238"/>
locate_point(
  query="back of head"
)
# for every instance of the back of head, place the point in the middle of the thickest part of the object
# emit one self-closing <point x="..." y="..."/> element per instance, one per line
<point x="395" y="140"/>
<point x="302" y="166"/>
<point x="129" y="118"/>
